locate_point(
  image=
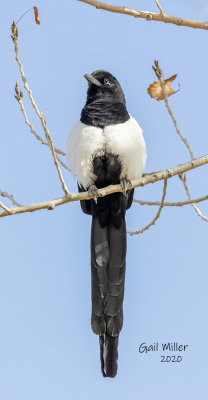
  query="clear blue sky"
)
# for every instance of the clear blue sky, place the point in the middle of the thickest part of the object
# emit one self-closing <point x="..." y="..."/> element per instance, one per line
<point x="47" y="348"/>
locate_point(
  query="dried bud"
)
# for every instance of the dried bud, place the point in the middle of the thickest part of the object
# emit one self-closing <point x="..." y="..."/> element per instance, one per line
<point x="157" y="69"/>
<point x="21" y="94"/>
<point x="17" y="89"/>
<point x="13" y="27"/>
<point x="16" y="33"/>
<point x="37" y="18"/>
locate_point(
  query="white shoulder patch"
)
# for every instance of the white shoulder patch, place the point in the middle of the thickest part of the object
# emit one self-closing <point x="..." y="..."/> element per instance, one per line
<point x="125" y="140"/>
<point x="84" y="142"/>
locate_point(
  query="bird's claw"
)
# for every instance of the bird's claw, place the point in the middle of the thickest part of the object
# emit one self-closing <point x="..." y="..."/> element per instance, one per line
<point x="123" y="183"/>
<point x="93" y="193"/>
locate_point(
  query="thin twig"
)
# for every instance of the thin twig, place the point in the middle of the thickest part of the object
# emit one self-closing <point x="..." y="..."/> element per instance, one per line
<point x="10" y="197"/>
<point x="148" y="15"/>
<point x="47" y="133"/>
<point x="159" y="75"/>
<point x="149" y="178"/>
<point x="63" y="164"/>
<point x="156" y="216"/>
<point x="171" y="204"/>
<point x="23" y="16"/>
<point x="58" y="151"/>
<point x="198" y="211"/>
<point x="5" y="208"/>
<point x="160" y="8"/>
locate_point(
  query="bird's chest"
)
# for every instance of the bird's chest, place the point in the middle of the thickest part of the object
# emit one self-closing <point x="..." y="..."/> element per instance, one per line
<point x="101" y="158"/>
<point x="111" y="139"/>
<point x="113" y="150"/>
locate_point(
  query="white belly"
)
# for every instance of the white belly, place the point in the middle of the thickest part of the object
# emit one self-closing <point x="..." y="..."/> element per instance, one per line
<point x="86" y="142"/>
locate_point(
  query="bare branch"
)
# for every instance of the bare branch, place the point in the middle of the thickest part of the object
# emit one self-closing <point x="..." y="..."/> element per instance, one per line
<point x="160" y="8"/>
<point x="63" y="164"/>
<point x="171" y="204"/>
<point x="159" y="74"/>
<point x="20" y="101"/>
<point x="156" y="216"/>
<point x="10" y="197"/>
<point x="148" y="15"/>
<point x="145" y="180"/>
<point x="183" y="179"/>
<point x="5" y="208"/>
<point x="42" y="120"/>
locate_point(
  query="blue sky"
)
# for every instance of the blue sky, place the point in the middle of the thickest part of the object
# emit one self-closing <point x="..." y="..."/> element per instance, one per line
<point x="47" y="348"/>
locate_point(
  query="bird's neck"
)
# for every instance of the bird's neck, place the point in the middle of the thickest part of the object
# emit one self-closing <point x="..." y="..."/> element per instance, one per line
<point x="104" y="112"/>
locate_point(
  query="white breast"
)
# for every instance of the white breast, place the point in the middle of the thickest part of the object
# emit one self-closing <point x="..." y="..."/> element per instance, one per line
<point x="125" y="140"/>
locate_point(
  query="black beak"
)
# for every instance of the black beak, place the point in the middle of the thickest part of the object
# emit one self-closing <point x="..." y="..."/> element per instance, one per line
<point x="92" y="80"/>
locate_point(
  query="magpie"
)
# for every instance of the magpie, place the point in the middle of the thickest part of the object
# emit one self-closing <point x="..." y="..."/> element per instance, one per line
<point x="106" y="147"/>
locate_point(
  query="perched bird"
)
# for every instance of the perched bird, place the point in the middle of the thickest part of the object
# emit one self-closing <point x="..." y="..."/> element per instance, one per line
<point x="106" y="147"/>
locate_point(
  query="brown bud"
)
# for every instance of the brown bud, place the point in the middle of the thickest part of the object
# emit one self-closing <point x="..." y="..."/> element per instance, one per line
<point x="17" y="89"/>
<point x="13" y="27"/>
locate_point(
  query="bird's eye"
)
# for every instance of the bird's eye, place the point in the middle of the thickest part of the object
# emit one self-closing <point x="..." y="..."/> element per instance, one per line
<point x="106" y="82"/>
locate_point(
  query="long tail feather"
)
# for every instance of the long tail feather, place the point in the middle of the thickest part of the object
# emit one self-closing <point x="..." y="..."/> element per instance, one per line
<point x="108" y="355"/>
<point x="108" y="254"/>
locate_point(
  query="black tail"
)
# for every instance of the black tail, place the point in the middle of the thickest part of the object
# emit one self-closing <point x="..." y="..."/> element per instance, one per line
<point x="109" y="355"/>
<point x="108" y="262"/>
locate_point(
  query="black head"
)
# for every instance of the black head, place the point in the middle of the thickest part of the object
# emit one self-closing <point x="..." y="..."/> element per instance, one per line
<point x="106" y="103"/>
<point x="104" y="85"/>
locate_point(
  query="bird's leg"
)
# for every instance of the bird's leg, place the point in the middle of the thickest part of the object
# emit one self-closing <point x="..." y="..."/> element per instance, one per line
<point x="93" y="193"/>
<point x="123" y="183"/>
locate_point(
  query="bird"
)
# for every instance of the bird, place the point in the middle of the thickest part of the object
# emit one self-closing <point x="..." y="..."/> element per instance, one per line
<point x="106" y="147"/>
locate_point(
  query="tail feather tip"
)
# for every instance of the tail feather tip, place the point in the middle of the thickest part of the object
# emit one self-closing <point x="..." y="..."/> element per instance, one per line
<point x="109" y="355"/>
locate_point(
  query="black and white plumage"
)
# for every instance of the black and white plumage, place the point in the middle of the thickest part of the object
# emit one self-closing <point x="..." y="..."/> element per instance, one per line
<point x="106" y="147"/>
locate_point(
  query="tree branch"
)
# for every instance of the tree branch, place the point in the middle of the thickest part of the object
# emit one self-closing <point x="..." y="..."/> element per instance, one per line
<point x="32" y="130"/>
<point x="5" y="208"/>
<point x="148" y="15"/>
<point x="38" y="137"/>
<point x="39" y="114"/>
<point x="171" y="204"/>
<point x="149" y="178"/>
<point x="198" y="211"/>
<point x="156" y="216"/>
<point x="159" y="74"/>
<point x="10" y="197"/>
<point x="160" y="8"/>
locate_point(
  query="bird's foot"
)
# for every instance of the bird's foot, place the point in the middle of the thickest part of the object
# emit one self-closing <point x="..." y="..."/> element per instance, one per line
<point x="123" y="183"/>
<point x="93" y="193"/>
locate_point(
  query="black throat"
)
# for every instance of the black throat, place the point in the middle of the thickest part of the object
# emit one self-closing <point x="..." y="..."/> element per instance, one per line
<point x="103" y="112"/>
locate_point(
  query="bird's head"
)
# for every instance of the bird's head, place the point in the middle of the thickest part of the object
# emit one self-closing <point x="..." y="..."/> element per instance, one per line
<point x="103" y="85"/>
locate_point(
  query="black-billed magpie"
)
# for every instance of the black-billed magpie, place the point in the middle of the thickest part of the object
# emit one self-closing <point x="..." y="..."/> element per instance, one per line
<point x="106" y="147"/>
